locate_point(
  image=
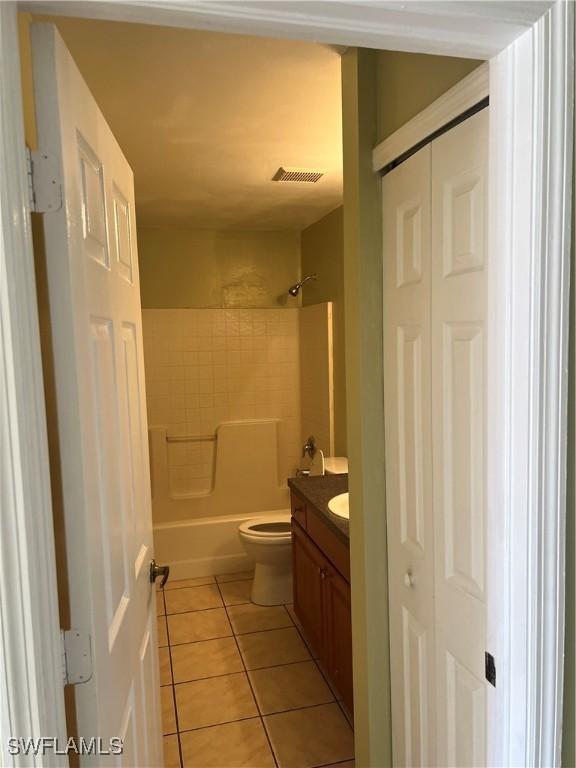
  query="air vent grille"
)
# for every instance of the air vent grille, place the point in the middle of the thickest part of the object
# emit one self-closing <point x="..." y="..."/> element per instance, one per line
<point x="297" y="174"/>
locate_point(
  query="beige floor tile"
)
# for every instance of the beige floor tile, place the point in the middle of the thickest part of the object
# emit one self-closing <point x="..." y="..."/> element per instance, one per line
<point x="160" y="609"/>
<point x="242" y="576"/>
<point x="168" y="714"/>
<point x="162" y="634"/>
<point x="236" y="592"/>
<point x="293" y="686"/>
<point x="255" y="618"/>
<point x="193" y="599"/>
<point x="171" y="752"/>
<point x="241" y="745"/>
<point x="214" y="701"/>
<point x="272" y="648"/>
<point x="198" y="625"/>
<point x="195" y="661"/>
<point x="199" y="581"/>
<point x="165" y="673"/>
<point x="309" y="737"/>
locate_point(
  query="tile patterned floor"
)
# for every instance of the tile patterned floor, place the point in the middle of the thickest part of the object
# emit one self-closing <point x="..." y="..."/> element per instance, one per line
<point x="240" y="688"/>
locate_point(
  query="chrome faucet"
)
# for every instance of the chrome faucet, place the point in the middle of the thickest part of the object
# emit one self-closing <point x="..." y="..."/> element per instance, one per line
<point x="309" y="447"/>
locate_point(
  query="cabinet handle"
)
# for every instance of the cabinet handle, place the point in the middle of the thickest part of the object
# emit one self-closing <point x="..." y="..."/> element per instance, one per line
<point x="409" y="579"/>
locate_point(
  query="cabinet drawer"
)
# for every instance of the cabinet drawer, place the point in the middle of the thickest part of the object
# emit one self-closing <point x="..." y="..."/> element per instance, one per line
<point x="298" y="506"/>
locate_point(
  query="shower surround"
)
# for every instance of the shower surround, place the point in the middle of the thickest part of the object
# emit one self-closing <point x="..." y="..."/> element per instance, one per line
<point x="223" y="397"/>
<point x="208" y="366"/>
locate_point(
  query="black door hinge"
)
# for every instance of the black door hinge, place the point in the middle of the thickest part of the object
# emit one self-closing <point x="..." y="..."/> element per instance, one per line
<point x="490" y="668"/>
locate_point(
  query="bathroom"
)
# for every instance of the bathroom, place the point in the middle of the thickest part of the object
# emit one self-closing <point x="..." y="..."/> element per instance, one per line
<point x="239" y="200"/>
<point x="242" y="366"/>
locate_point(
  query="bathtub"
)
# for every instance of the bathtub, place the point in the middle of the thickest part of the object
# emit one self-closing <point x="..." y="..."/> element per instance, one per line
<point x="203" y="547"/>
<point x="197" y="534"/>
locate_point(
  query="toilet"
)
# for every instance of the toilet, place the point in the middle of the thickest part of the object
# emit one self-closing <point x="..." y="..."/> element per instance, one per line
<point x="268" y="543"/>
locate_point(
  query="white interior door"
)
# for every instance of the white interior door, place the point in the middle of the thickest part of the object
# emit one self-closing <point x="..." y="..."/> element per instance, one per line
<point x="407" y="377"/>
<point x="97" y="339"/>
<point x="434" y="219"/>
<point x="459" y="236"/>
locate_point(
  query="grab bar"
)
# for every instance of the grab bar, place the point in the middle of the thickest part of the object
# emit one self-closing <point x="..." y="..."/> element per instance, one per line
<point x="190" y="438"/>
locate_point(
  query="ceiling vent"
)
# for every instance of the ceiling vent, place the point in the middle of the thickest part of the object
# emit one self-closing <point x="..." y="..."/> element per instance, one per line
<point x="297" y="174"/>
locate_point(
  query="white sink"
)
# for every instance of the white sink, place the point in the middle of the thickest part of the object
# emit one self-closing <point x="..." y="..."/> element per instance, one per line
<point x="339" y="505"/>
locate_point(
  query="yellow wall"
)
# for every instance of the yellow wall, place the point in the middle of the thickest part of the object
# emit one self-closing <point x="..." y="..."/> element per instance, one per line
<point x="323" y="254"/>
<point x="380" y="92"/>
<point x="364" y="376"/>
<point x="207" y="268"/>
<point x="408" y="82"/>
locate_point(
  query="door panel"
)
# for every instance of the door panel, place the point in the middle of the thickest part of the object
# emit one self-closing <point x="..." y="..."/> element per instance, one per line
<point x="95" y="314"/>
<point x="462" y="459"/>
<point x="459" y="215"/>
<point x="407" y="405"/>
<point x="465" y="716"/>
<point x="416" y="678"/>
<point x="409" y="354"/>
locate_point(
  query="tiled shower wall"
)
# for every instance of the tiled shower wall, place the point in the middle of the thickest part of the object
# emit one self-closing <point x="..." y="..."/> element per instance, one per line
<point x="205" y="366"/>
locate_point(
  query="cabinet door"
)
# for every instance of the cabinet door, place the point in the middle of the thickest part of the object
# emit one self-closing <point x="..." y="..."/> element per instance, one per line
<point x="338" y="633"/>
<point x="309" y="567"/>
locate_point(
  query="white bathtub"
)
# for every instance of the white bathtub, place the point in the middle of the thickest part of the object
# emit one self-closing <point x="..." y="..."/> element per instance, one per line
<point x="197" y="535"/>
<point x="202" y="547"/>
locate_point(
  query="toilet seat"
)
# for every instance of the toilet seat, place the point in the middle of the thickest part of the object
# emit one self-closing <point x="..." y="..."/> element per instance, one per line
<point x="274" y="527"/>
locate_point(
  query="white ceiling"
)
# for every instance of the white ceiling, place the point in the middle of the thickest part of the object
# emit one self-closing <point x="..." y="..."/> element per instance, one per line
<point x="206" y="118"/>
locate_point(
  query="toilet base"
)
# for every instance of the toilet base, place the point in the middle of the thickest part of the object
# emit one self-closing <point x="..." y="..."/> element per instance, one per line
<point x="272" y="584"/>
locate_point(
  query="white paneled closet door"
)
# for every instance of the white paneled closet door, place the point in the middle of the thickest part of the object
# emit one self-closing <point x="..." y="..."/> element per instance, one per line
<point x="459" y="217"/>
<point x="434" y="219"/>
<point x="407" y="379"/>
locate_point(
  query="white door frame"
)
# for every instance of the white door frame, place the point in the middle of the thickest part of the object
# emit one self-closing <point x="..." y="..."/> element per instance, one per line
<point x="31" y="688"/>
<point x="531" y="92"/>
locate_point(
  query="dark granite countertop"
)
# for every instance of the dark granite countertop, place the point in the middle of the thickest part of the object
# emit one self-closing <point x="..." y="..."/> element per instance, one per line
<point x="318" y="491"/>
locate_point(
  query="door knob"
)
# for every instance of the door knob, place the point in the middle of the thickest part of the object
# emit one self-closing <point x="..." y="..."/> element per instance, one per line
<point x="159" y="570"/>
<point x="409" y="579"/>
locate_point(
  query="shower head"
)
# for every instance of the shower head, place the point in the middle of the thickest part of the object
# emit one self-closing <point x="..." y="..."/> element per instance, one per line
<point x="294" y="290"/>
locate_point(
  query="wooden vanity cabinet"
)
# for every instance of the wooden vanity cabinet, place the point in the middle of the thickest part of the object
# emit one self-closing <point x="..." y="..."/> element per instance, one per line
<point x="322" y="597"/>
